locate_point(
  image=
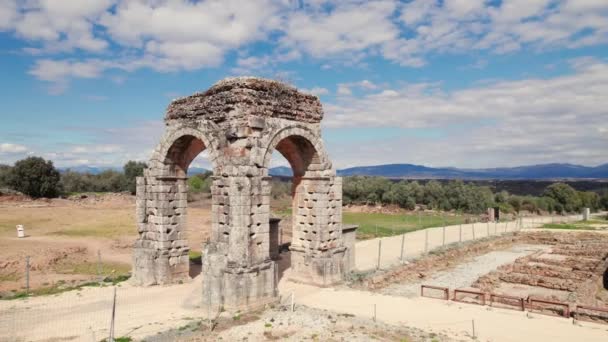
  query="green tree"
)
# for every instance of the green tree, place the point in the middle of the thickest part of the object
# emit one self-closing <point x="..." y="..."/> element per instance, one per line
<point x="76" y="182"/>
<point x="604" y="199"/>
<point x="132" y="170"/>
<point x="4" y="173"/>
<point x="589" y="199"/>
<point x="195" y="184"/>
<point x="565" y="195"/>
<point x="433" y="194"/>
<point x="35" y="177"/>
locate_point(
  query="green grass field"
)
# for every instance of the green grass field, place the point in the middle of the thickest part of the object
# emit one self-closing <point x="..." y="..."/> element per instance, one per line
<point x="377" y="224"/>
<point x="578" y="225"/>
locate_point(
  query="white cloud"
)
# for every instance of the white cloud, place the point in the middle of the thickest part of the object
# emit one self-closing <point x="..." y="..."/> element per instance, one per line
<point x="461" y="26"/>
<point x="317" y="91"/>
<point x="12" y="148"/>
<point x="344" y="89"/>
<point x="499" y="123"/>
<point x="84" y="39"/>
<point x="350" y="26"/>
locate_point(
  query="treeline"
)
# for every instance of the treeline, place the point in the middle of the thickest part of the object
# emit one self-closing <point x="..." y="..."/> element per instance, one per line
<point x="201" y="183"/>
<point x="37" y="178"/>
<point x="470" y="198"/>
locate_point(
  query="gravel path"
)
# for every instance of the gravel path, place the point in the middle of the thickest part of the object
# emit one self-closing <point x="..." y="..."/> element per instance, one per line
<point x="465" y="274"/>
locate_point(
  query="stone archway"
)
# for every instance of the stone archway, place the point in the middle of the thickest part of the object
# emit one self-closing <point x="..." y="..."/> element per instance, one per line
<point x="240" y="121"/>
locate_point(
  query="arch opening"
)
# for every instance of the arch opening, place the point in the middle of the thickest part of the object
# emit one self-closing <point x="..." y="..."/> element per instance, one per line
<point x="181" y="216"/>
<point x="182" y="152"/>
<point x="306" y="228"/>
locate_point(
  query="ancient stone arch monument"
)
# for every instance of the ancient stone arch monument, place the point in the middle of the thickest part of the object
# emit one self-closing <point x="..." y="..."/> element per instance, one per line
<point x="240" y="122"/>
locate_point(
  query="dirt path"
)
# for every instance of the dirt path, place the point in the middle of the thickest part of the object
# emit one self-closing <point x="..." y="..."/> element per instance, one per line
<point x="140" y="312"/>
<point x="450" y="318"/>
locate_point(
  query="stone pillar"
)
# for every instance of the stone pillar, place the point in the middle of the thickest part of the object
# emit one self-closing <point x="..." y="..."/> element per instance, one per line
<point x="586" y="214"/>
<point x="236" y="262"/>
<point x="349" y="236"/>
<point x="317" y="251"/>
<point x="491" y="216"/>
<point x="161" y="250"/>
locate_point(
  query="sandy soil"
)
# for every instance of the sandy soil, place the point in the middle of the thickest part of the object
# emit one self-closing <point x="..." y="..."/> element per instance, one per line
<point x="64" y="237"/>
<point x="464" y="274"/>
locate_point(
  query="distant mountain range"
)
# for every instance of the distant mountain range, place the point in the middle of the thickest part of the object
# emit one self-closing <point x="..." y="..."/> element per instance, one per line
<point x="543" y="171"/>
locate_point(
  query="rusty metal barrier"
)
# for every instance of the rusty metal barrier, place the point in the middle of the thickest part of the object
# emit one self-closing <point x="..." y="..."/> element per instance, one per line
<point x="446" y="291"/>
<point x="521" y="300"/>
<point x="566" y="307"/>
<point x="479" y="294"/>
<point x="577" y="314"/>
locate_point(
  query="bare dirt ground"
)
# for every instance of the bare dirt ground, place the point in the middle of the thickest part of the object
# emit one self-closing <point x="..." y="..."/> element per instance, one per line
<point x="64" y="237"/>
<point x="565" y="266"/>
<point x="305" y="323"/>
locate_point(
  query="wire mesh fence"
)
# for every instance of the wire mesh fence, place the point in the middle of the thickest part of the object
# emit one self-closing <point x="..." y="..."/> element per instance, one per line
<point x="388" y="251"/>
<point x="98" y="313"/>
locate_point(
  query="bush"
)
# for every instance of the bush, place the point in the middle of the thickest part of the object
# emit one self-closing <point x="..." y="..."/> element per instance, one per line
<point x="107" y="181"/>
<point x="132" y="170"/>
<point x="565" y="195"/>
<point x="4" y="173"/>
<point x="35" y="177"/>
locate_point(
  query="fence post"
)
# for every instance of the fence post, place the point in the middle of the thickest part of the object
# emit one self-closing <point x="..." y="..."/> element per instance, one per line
<point x="402" y="245"/>
<point x="473" y="230"/>
<point x="27" y="275"/>
<point x="473" y="322"/>
<point x="495" y="227"/>
<point x="379" y="252"/>
<point x="460" y="232"/>
<point x="99" y="270"/>
<point x="111" y="338"/>
<point x="426" y="240"/>
<point x="488" y="228"/>
<point x="443" y="236"/>
<point x="374" y="312"/>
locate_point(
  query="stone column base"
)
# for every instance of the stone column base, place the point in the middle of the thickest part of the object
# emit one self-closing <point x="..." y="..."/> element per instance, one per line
<point x="239" y="289"/>
<point x="324" y="269"/>
<point x="158" y="267"/>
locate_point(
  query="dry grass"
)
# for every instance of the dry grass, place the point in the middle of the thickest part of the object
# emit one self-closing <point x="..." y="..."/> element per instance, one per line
<point x="69" y="221"/>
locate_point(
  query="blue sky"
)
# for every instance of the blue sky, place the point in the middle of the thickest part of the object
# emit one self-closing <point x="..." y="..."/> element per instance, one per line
<point x="460" y="83"/>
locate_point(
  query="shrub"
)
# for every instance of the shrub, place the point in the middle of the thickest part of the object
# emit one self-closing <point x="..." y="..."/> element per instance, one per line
<point x="4" y="173"/>
<point x="565" y="195"/>
<point x="132" y="170"/>
<point x="35" y="177"/>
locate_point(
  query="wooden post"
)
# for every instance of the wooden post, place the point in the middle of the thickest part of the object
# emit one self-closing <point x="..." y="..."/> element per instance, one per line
<point x="460" y="233"/>
<point x="473" y="322"/>
<point x="27" y="275"/>
<point x="111" y="338"/>
<point x="379" y="252"/>
<point x="402" y="245"/>
<point x="99" y="269"/>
